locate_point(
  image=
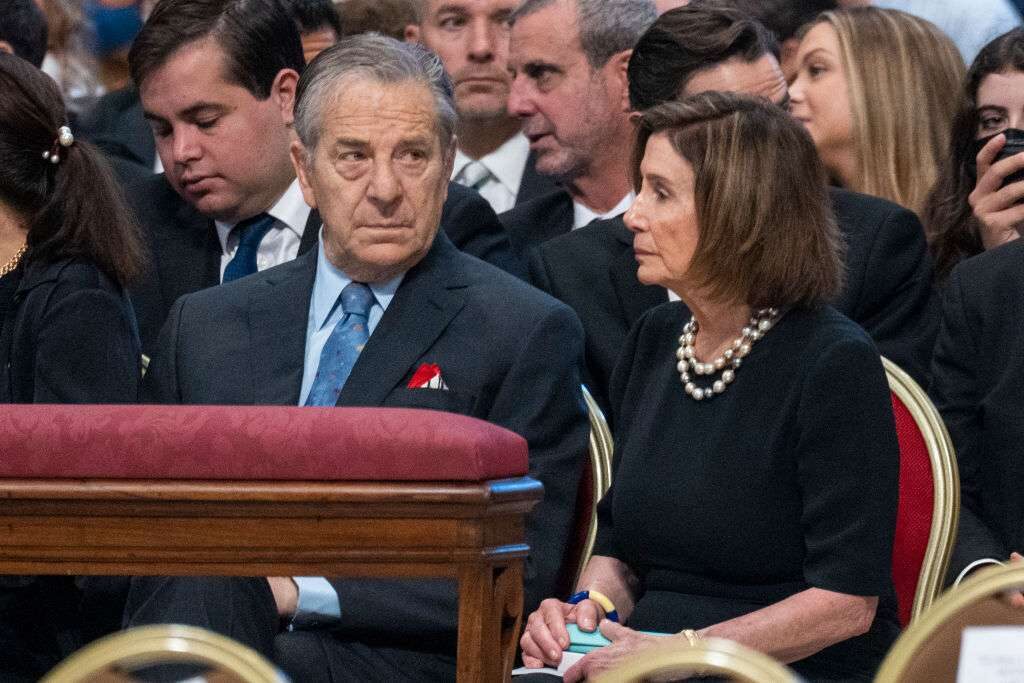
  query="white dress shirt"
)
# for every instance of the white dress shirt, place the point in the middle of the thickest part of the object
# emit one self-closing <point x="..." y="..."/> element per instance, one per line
<point x="281" y="244"/>
<point x="584" y="215"/>
<point x="506" y="165"/>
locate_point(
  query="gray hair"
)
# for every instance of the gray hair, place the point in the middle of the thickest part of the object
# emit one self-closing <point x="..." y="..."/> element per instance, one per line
<point x="373" y="57"/>
<point x="607" y="27"/>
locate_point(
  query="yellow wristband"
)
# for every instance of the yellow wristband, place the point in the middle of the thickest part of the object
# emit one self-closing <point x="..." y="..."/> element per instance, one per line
<point x="600" y="598"/>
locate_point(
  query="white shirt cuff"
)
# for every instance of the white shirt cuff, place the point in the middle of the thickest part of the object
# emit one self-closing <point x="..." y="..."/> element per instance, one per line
<point x="318" y="603"/>
<point x="972" y="566"/>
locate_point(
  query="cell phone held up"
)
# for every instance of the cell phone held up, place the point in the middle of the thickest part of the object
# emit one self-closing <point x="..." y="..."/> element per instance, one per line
<point x="1014" y="145"/>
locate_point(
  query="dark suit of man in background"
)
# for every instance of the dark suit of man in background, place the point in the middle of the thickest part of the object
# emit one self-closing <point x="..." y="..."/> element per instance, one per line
<point x="219" y="100"/>
<point x="888" y="273"/>
<point x="471" y="38"/>
<point x="375" y="164"/>
<point x="569" y="90"/>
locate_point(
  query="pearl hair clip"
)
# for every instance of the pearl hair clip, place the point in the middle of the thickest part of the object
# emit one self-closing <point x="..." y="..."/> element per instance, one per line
<point x="64" y="139"/>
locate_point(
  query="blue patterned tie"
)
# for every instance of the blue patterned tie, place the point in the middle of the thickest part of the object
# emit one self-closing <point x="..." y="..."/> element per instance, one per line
<point x="342" y="349"/>
<point x="250" y="232"/>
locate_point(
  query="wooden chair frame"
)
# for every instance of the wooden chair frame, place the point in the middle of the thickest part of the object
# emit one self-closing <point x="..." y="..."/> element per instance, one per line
<point x="601" y="449"/>
<point x="987" y="582"/>
<point x="711" y="656"/>
<point x="946" y="486"/>
<point x="162" y="644"/>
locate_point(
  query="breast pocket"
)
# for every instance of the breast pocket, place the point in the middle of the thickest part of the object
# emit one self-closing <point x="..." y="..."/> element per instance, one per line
<point x="432" y="399"/>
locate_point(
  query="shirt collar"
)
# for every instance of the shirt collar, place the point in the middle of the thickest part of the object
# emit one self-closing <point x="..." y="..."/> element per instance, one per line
<point x="329" y="282"/>
<point x="507" y="163"/>
<point x="583" y="215"/>
<point x="290" y="210"/>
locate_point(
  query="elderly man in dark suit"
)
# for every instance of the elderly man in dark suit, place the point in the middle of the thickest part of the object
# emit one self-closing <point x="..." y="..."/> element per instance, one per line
<point x="218" y="92"/>
<point x="692" y="49"/>
<point x="494" y="158"/>
<point x="384" y="312"/>
<point x="569" y="90"/>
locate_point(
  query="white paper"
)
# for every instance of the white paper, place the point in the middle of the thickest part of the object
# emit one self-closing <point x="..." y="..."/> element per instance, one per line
<point x="994" y="654"/>
<point x="568" y="659"/>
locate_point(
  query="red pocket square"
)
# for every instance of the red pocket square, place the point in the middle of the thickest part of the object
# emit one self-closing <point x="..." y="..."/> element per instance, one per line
<point x="427" y="376"/>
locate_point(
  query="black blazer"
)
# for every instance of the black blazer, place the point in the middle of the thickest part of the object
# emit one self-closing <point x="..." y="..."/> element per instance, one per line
<point x="888" y="287"/>
<point x="70" y="337"/>
<point x="538" y="220"/>
<point x="185" y="252"/>
<point x="533" y="184"/>
<point x="116" y="124"/>
<point x="509" y="354"/>
<point x="978" y="386"/>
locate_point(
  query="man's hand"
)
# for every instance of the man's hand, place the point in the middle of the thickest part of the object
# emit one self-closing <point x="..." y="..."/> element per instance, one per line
<point x="286" y="595"/>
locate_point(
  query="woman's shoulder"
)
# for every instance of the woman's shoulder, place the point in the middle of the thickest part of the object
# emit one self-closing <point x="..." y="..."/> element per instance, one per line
<point x="825" y="338"/>
<point x="74" y="273"/>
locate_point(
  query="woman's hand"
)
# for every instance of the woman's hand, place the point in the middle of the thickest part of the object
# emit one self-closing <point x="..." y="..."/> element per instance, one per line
<point x="996" y="207"/>
<point x="626" y="643"/>
<point x="546" y="637"/>
<point x="1015" y="598"/>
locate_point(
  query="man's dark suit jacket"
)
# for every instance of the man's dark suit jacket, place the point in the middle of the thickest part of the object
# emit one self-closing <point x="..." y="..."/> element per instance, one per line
<point x="978" y="386"/>
<point x="534" y="184"/>
<point x="536" y="221"/>
<point x="509" y="354"/>
<point x="185" y="251"/>
<point x="117" y="125"/>
<point x="888" y="288"/>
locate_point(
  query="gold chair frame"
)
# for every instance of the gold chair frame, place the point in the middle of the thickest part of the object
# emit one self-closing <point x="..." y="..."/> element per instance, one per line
<point x="601" y="448"/>
<point x="986" y="583"/>
<point x="162" y="644"/>
<point x="711" y="656"/>
<point x="946" y="486"/>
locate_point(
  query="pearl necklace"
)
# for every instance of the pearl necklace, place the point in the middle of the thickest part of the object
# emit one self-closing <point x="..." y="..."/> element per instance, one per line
<point x="727" y="363"/>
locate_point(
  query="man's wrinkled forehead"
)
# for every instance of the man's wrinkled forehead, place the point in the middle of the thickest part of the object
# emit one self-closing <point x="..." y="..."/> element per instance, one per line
<point x="762" y="77"/>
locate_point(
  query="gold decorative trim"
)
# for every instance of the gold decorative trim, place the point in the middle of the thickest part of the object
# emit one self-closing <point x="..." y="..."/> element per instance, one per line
<point x="712" y="656"/>
<point x="601" y="448"/>
<point x="985" y="583"/>
<point x="946" y="485"/>
<point x="162" y="644"/>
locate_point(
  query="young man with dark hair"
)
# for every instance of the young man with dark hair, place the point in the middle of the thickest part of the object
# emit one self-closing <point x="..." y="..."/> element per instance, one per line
<point x="695" y="49"/>
<point x="217" y="83"/>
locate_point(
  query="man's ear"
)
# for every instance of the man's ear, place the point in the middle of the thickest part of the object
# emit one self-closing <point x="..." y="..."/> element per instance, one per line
<point x="6" y="47"/>
<point x="412" y="33"/>
<point x="283" y="91"/>
<point x="617" y="71"/>
<point x="301" y="161"/>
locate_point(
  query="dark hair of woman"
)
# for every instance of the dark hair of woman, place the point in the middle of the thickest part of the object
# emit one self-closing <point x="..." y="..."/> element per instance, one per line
<point x="953" y="231"/>
<point x="73" y="208"/>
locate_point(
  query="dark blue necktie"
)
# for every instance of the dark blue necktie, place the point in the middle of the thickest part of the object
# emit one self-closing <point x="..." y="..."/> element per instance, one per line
<point x="342" y="349"/>
<point x="250" y="233"/>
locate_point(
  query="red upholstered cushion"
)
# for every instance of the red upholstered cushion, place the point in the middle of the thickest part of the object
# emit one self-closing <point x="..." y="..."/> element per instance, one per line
<point x="254" y="443"/>
<point x="914" y="515"/>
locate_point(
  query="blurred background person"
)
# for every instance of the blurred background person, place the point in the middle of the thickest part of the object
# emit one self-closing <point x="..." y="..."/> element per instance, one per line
<point x="970" y="23"/>
<point x="69" y="61"/>
<point x="969" y="211"/>
<point x="387" y="17"/>
<point x="873" y="89"/>
<point x="493" y="155"/>
<point x="318" y="23"/>
<point x="784" y="18"/>
<point x="67" y="330"/>
<point x="744" y="503"/>
<point x="113" y="25"/>
<point x="23" y="30"/>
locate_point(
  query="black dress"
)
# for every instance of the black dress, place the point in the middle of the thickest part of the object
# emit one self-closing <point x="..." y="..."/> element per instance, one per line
<point x="787" y="481"/>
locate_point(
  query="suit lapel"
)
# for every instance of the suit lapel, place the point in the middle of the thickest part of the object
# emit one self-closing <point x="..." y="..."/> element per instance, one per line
<point x="310" y="232"/>
<point x="278" y="317"/>
<point x="634" y="298"/>
<point x="533" y="183"/>
<point x="431" y="294"/>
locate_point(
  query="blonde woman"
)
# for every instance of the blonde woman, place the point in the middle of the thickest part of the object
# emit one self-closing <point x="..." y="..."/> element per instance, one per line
<point x="874" y="88"/>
